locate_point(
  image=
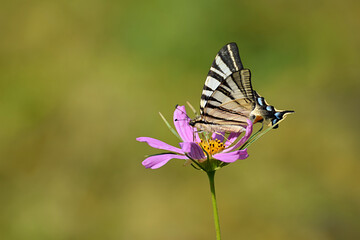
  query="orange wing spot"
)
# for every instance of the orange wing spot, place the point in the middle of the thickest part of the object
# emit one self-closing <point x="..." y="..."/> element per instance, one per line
<point x="258" y="119"/>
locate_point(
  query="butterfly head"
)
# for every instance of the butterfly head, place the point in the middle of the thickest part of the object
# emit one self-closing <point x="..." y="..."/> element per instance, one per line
<point x="193" y="122"/>
<point x="199" y="124"/>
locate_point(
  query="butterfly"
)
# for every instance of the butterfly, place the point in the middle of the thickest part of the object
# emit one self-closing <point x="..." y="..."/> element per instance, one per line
<point x="228" y="99"/>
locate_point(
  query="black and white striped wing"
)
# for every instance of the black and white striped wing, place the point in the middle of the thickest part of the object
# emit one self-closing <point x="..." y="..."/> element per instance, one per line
<point x="234" y="101"/>
<point x="227" y="97"/>
<point x="226" y="62"/>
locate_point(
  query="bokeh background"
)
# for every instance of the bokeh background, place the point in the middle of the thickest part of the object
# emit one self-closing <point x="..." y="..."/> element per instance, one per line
<point x="80" y="80"/>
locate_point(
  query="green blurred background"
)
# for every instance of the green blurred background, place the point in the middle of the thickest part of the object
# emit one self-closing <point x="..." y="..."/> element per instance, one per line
<point x="80" y="80"/>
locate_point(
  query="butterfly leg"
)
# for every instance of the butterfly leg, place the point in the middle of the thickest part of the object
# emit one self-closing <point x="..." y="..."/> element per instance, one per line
<point x="198" y="132"/>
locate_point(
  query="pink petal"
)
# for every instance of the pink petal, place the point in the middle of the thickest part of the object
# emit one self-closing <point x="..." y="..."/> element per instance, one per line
<point x="231" y="156"/>
<point x="193" y="150"/>
<point x="159" y="144"/>
<point x="248" y="132"/>
<point x="231" y="138"/>
<point x="219" y="136"/>
<point x="157" y="161"/>
<point x="181" y="122"/>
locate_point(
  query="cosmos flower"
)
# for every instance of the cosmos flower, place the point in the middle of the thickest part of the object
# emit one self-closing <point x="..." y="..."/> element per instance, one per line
<point x="215" y="148"/>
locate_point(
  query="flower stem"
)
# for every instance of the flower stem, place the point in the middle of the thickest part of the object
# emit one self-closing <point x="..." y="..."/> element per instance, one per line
<point x="211" y="175"/>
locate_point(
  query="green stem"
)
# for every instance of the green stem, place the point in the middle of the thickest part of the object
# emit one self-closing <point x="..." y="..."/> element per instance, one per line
<point x="211" y="176"/>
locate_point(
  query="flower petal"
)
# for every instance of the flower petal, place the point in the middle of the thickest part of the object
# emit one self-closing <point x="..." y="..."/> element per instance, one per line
<point x="157" y="161"/>
<point x="248" y="132"/>
<point x="159" y="144"/>
<point x="218" y="135"/>
<point x="231" y="138"/>
<point x="181" y="123"/>
<point x="193" y="150"/>
<point x="231" y="156"/>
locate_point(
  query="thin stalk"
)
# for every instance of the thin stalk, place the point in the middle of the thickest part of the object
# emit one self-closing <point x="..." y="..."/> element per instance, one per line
<point x="169" y="126"/>
<point x="211" y="176"/>
<point x="252" y="137"/>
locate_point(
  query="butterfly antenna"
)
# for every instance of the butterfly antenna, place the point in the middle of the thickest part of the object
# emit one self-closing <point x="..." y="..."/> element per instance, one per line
<point x="176" y="107"/>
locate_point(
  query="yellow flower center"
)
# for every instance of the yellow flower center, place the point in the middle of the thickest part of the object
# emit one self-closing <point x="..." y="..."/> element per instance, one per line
<point x="212" y="146"/>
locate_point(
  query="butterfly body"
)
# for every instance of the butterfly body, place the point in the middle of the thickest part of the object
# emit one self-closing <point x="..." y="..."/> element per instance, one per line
<point x="228" y="98"/>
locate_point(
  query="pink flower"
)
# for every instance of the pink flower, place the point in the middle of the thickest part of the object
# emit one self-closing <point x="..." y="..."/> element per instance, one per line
<point x="192" y="147"/>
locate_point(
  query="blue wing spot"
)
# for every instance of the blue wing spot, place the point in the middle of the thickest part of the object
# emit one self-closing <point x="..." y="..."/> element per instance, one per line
<point x="278" y="115"/>
<point x="270" y="108"/>
<point x="261" y="101"/>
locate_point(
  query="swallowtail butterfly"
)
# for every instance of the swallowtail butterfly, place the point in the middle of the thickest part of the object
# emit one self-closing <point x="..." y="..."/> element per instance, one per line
<point x="228" y="100"/>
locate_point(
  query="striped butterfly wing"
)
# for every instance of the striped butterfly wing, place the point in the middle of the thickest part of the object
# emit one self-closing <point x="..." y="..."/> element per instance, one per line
<point x="228" y="100"/>
<point x="227" y="97"/>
